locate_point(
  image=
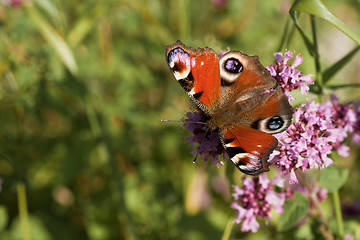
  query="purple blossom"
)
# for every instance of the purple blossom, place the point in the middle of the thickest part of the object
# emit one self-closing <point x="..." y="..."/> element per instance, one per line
<point x="318" y="128"/>
<point x="255" y="200"/>
<point x="287" y="76"/>
<point x="210" y="146"/>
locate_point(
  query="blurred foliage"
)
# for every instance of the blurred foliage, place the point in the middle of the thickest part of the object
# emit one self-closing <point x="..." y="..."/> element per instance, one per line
<point x="83" y="86"/>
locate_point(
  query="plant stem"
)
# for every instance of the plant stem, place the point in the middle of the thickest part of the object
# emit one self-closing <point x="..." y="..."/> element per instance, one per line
<point x="227" y="231"/>
<point x="338" y="214"/>
<point x="291" y="34"/>
<point x="284" y="36"/>
<point x="316" y="56"/>
<point x="23" y="211"/>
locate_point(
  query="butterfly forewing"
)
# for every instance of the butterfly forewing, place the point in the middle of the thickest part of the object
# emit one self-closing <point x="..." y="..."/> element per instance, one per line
<point x="198" y="72"/>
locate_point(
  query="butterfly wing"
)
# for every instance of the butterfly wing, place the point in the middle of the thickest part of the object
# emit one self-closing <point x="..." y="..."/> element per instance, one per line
<point x="249" y="148"/>
<point x="198" y="72"/>
<point x="257" y="108"/>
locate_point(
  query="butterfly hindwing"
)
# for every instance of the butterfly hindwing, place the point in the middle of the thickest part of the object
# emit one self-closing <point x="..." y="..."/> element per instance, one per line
<point x="248" y="148"/>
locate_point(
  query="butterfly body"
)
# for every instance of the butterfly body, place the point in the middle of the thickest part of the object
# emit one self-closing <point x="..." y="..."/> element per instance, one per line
<point x="240" y="98"/>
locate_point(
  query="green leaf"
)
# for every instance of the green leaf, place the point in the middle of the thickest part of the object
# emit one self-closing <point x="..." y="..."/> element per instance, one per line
<point x="339" y="86"/>
<point x="54" y="39"/>
<point x="333" y="178"/>
<point x="317" y="8"/>
<point x="294" y="210"/>
<point x="79" y="31"/>
<point x="49" y="7"/>
<point x="331" y="71"/>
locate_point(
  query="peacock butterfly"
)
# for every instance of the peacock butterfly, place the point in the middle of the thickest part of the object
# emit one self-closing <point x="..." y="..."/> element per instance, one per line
<point x="240" y="98"/>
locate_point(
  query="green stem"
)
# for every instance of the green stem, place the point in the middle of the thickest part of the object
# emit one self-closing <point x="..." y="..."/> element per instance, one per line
<point x="228" y="228"/>
<point x="316" y="57"/>
<point x="23" y="211"/>
<point x="284" y="36"/>
<point x="338" y="214"/>
<point x="291" y="34"/>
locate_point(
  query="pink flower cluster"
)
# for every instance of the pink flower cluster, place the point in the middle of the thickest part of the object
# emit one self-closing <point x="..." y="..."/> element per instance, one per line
<point x="317" y="130"/>
<point x="287" y="76"/>
<point x="255" y="199"/>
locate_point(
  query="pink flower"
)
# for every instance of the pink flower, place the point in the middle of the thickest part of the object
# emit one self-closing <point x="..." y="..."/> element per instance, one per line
<point x="317" y="130"/>
<point x="255" y="200"/>
<point x="287" y="76"/>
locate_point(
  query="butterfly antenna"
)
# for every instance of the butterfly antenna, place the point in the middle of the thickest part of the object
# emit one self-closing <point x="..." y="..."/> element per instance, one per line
<point x="181" y="121"/>
<point x="172" y="121"/>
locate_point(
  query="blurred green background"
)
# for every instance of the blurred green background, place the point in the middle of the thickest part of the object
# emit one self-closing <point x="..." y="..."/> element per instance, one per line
<point x="83" y="87"/>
